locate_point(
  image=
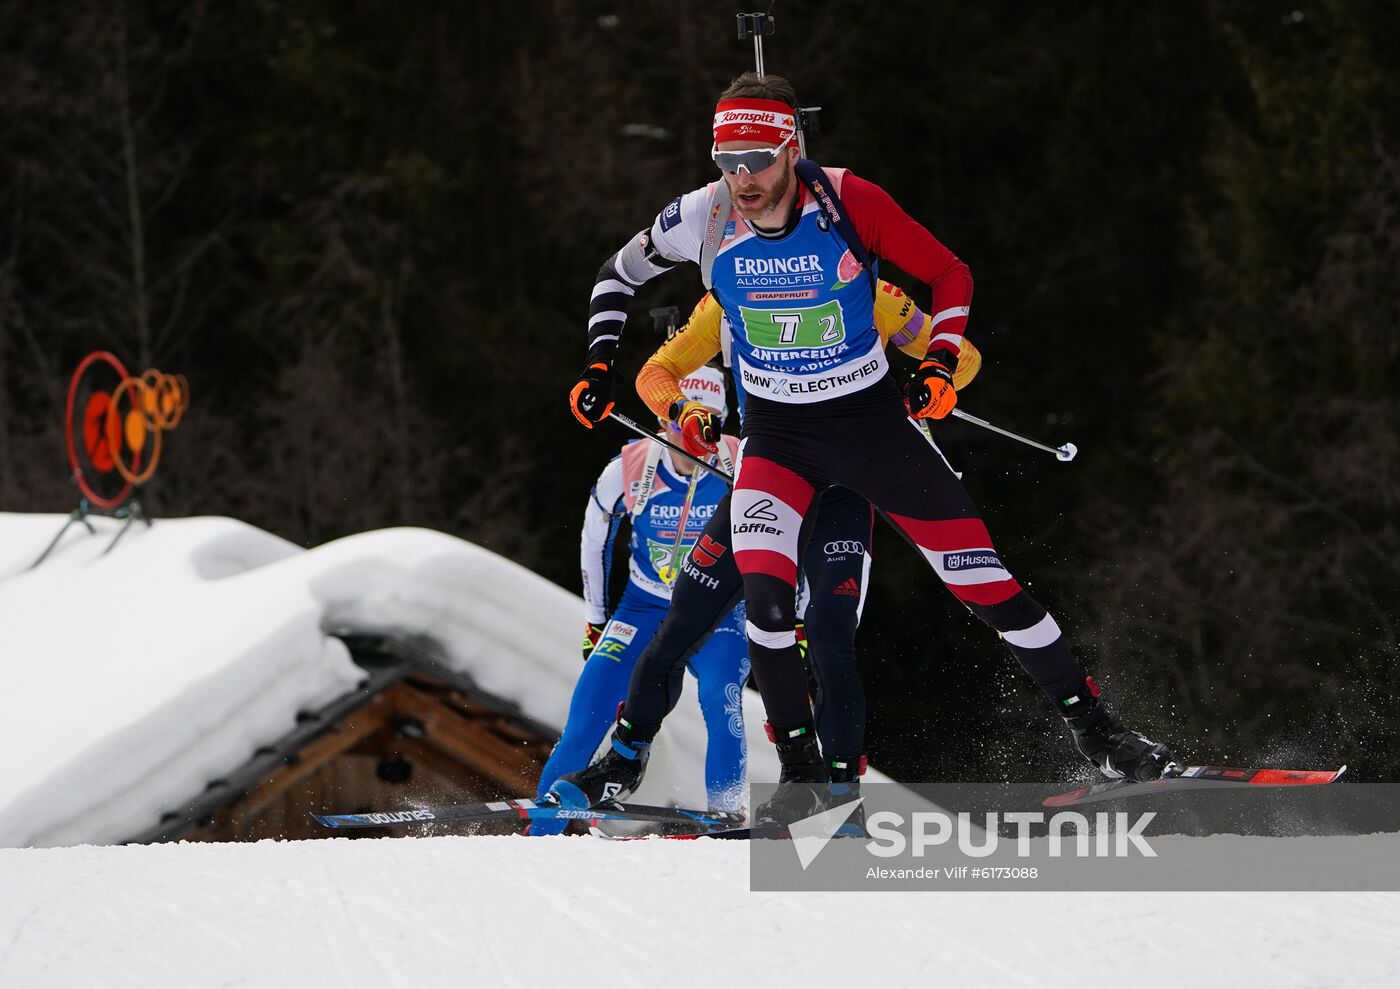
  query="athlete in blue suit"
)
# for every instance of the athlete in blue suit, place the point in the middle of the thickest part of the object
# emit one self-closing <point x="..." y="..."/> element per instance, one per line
<point x="648" y="488"/>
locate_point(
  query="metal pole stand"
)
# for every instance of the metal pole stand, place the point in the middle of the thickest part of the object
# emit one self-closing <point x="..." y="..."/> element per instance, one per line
<point x="79" y="514"/>
<point x="130" y="512"/>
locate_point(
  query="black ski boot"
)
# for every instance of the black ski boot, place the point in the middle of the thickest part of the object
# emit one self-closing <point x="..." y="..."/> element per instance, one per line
<point x="845" y="777"/>
<point x="1117" y="752"/>
<point x="615" y="776"/>
<point x="802" y="785"/>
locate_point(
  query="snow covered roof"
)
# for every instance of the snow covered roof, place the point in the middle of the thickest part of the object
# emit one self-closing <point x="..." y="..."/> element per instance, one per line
<point x="136" y="676"/>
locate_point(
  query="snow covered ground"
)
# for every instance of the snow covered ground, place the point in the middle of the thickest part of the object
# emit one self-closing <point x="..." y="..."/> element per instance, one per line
<point x="133" y="677"/>
<point x="578" y="911"/>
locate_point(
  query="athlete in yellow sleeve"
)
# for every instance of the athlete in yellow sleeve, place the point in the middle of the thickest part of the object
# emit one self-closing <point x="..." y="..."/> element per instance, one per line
<point x="897" y="319"/>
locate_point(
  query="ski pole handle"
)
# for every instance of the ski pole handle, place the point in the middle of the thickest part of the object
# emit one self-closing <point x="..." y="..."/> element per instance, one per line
<point x="1063" y="453"/>
<point x="627" y="423"/>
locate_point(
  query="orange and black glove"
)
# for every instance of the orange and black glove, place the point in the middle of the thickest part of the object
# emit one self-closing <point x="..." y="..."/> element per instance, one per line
<point x="930" y="393"/>
<point x="592" y="635"/>
<point x="699" y="427"/>
<point x="591" y="399"/>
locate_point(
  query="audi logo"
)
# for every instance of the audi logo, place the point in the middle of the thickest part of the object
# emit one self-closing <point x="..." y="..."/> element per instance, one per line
<point x="840" y="546"/>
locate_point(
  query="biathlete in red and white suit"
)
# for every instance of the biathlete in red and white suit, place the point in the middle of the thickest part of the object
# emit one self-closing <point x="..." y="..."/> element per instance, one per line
<point x="823" y="409"/>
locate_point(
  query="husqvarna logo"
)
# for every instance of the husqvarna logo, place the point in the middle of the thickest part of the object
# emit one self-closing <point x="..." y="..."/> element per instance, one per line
<point x="971" y="560"/>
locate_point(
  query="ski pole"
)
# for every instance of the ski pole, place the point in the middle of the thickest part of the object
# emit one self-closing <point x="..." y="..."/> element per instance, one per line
<point x="644" y="434"/>
<point x="1063" y="453"/>
<point x="671" y="569"/>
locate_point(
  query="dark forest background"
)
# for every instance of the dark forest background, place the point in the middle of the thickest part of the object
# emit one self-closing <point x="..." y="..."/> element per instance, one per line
<point x="366" y="232"/>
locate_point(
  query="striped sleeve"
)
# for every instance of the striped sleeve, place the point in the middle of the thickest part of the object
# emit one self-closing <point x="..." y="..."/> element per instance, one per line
<point x="673" y="238"/>
<point x="613" y="290"/>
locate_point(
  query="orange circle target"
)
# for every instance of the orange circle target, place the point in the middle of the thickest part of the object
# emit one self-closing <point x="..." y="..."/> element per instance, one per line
<point x="114" y="424"/>
<point x="127" y="426"/>
<point x="95" y="430"/>
<point x="85" y="416"/>
<point x="167" y="394"/>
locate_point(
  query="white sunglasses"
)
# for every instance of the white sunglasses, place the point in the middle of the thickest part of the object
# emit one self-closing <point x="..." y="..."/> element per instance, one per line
<point x="753" y="162"/>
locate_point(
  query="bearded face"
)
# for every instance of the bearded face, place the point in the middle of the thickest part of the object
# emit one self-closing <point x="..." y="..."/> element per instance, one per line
<point x="759" y="197"/>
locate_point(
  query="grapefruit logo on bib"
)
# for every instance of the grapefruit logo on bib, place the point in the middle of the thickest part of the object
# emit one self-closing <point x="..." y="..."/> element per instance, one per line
<point x="847" y="271"/>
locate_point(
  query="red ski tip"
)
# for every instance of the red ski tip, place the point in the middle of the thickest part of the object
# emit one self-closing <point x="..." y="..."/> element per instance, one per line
<point x="1194" y="778"/>
<point x="1286" y="777"/>
<point x="1065" y="799"/>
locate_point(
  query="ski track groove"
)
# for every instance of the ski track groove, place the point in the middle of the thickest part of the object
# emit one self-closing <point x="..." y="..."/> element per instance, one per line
<point x="14" y="937"/>
<point x="568" y="906"/>
<point x="449" y="891"/>
<point x="919" y="931"/>
<point x="486" y="940"/>
<point x="451" y="894"/>
<point x="327" y="940"/>
<point x="217" y="879"/>
<point x="366" y="941"/>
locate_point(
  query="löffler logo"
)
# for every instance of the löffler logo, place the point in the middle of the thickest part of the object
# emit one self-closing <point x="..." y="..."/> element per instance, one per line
<point x="761" y="509"/>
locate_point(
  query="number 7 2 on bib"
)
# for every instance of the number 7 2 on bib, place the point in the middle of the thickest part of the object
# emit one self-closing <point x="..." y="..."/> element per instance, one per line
<point x="797" y="328"/>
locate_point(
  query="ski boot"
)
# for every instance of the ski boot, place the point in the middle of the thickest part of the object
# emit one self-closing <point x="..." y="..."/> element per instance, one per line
<point x="845" y="777"/>
<point x="802" y="785"/>
<point x="1119" y="753"/>
<point x="615" y="776"/>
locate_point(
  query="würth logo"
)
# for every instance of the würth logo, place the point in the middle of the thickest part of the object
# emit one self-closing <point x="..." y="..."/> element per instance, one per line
<point x="706" y="552"/>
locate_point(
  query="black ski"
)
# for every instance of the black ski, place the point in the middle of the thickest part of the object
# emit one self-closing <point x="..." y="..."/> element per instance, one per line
<point x="524" y="810"/>
<point x="727" y="833"/>
<point x="722" y="834"/>
<point x="1195" y="778"/>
